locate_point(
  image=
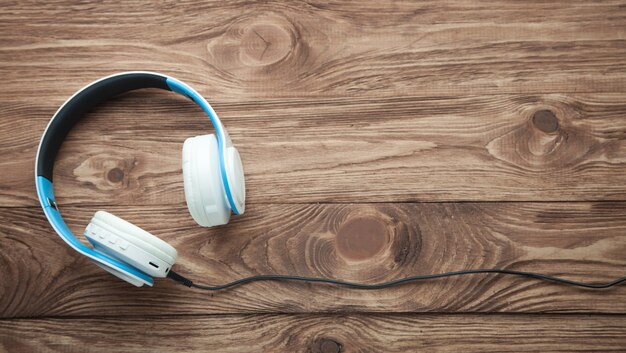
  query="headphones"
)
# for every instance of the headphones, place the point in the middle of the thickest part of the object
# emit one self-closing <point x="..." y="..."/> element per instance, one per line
<point x="214" y="187"/>
<point x="212" y="173"/>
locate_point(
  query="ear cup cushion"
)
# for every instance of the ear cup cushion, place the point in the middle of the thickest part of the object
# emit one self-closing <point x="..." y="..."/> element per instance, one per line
<point x="204" y="190"/>
<point x="191" y="194"/>
<point x="136" y="236"/>
<point x="236" y="178"/>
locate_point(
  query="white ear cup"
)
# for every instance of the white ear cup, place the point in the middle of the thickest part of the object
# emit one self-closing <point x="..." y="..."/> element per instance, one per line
<point x="130" y="244"/>
<point x="204" y="191"/>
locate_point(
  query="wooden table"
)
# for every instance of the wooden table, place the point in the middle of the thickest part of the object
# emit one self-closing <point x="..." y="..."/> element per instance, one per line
<point x="379" y="141"/>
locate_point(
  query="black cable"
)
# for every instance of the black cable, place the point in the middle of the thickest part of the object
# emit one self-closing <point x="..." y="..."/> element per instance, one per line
<point x="180" y="279"/>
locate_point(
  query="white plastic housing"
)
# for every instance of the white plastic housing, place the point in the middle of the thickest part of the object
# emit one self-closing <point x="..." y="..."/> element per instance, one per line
<point x="204" y="191"/>
<point x="130" y="244"/>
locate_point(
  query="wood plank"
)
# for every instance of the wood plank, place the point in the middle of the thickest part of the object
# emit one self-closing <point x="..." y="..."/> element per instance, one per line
<point x="359" y="242"/>
<point x="319" y="333"/>
<point x="468" y="148"/>
<point x="243" y="50"/>
<point x="506" y="118"/>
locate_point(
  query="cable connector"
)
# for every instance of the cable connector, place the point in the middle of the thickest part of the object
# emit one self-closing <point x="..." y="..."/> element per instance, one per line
<point x="180" y="279"/>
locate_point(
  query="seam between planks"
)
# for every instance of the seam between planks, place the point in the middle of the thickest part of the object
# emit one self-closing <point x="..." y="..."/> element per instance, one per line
<point x="313" y="314"/>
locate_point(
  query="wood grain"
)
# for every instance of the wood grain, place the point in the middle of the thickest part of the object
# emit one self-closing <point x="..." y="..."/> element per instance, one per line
<point x="474" y="148"/>
<point x="311" y="49"/>
<point x="366" y="242"/>
<point x="319" y="334"/>
<point x="506" y="119"/>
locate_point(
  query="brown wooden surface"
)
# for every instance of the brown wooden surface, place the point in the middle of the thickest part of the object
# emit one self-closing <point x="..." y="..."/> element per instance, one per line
<point x="319" y="333"/>
<point x="428" y="149"/>
<point x="364" y="242"/>
<point x="379" y="141"/>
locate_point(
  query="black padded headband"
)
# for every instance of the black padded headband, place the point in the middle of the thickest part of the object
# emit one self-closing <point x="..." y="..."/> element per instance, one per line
<point x="80" y="104"/>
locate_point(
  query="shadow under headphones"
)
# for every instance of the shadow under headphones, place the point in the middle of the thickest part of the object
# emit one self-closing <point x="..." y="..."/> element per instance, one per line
<point x="212" y="172"/>
<point x="214" y="187"/>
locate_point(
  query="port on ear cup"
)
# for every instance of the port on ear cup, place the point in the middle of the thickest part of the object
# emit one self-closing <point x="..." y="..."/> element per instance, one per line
<point x="204" y="190"/>
<point x="130" y="244"/>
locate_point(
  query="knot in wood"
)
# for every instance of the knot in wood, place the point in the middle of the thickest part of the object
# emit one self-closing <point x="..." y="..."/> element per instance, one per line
<point x="546" y="121"/>
<point x="265" y="44"/>
<point x="361" y="238"/>
<point x="327" y="345"/>
<point x="115" y="175"/>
